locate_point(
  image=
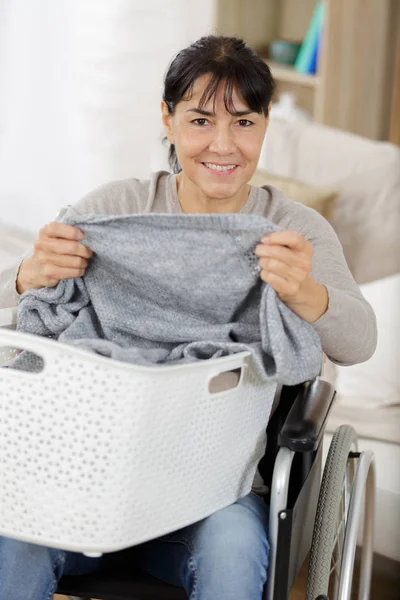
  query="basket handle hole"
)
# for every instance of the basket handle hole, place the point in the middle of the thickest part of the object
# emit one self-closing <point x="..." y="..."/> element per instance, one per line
<point x="31" y="362"/>
<point x="228" y="380"/>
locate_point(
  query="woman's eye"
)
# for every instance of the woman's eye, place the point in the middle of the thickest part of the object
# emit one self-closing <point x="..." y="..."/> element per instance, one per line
<point x="200" y="122"/>
<point x="245" y="123"/>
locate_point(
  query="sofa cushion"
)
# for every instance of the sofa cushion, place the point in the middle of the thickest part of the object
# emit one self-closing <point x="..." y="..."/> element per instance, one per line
<point x="320" y="199"/>
<point x="368" y="393"/>
<point x="376" y="382"/>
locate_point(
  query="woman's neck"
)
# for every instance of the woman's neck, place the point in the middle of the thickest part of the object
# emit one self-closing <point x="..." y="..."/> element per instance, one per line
<point x="193" y="200"/>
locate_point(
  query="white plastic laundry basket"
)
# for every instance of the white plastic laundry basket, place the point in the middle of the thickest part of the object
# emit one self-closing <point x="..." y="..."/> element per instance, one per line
<point x="98" y="455"/>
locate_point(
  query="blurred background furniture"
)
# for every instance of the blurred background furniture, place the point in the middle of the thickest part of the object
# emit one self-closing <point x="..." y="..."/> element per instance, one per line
<point x="395" y="109"/>
<point x="352" y="87"/>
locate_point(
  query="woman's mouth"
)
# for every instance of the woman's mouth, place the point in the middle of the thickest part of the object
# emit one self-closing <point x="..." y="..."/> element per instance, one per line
<point x="220" y="169"/>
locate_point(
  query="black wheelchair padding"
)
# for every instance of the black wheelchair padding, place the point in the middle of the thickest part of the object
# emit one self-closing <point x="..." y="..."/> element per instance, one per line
<point x="304" y="426"/>
<point x="288" y="394"/>
<point x="119" y="585"/>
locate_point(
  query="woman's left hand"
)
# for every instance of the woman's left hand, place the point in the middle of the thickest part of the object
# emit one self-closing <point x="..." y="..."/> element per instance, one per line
<point x="285" y="260"/>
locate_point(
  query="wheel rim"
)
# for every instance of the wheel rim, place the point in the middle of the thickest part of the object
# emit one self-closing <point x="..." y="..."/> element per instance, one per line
<point x="363" y="494"/>
<point x="342" y="518"/>
<point x="346" y="486"/>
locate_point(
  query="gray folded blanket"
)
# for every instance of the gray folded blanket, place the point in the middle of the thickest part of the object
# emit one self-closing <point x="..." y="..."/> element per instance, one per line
<point x="165" y="288"/>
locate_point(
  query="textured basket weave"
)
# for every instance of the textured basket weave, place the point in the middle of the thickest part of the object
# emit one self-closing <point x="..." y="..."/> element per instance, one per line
<point x="98" y="455"/>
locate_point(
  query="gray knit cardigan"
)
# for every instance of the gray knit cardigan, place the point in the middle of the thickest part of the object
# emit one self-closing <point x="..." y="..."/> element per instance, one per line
<point x="168" y="288"/>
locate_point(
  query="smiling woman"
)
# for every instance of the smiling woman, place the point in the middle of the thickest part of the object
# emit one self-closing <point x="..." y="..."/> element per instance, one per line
<point x="215" y="108"/>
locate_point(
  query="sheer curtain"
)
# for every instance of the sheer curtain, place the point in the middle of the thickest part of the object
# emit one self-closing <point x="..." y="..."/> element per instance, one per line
<point x="80" y="89"/>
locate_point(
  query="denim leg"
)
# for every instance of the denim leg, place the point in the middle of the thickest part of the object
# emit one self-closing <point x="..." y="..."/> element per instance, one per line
<point x="28" y="571"/>
<point x="31" y="572"/>
<point x="224" y="556"/>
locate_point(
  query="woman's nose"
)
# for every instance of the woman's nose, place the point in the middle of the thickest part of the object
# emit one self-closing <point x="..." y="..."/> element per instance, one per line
<point x="222" y="141"/>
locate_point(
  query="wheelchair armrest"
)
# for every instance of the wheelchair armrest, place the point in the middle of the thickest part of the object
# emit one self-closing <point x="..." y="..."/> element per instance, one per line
<point x="305" y="423"/>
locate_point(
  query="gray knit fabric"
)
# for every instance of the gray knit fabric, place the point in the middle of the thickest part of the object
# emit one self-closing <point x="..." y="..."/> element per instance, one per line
<point x="165" y="288"/>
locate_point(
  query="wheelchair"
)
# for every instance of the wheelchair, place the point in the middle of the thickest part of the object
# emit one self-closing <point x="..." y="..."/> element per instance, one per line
<point x="315" y="511"/>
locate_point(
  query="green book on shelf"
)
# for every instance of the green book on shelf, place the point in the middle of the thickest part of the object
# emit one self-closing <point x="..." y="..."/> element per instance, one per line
<point x="307" y="50"/>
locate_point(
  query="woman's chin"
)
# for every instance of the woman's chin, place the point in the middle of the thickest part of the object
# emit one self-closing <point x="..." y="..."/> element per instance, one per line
<point x="220" y="191"/>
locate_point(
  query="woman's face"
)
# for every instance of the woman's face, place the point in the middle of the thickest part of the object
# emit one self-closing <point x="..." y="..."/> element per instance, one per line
<point x="218" y="151"/>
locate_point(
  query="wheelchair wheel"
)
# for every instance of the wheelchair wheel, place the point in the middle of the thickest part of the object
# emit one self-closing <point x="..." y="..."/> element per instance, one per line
<point x="348" y="477"/>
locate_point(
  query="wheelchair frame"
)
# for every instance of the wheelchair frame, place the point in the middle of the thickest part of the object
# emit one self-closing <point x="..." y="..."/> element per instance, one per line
<point x="292" y="466"/>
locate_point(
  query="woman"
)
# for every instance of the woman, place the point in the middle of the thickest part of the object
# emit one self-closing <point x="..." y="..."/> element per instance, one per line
<point x="215" y="110"/>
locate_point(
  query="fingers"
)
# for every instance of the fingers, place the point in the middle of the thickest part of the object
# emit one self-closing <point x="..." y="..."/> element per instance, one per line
<point x="58" y="254"/>
<point x="60" y="230"/>
<point x="48" y="245"/>
<point x="62" y="239"/>
<point x="283" y="287"/>
<point x="284" y="255"/>
<point x="54" y="274"/>
<point x="292" y="239"/>
<point x="285" y="260"/>
<point x="35" y="275"/>
<point x="64" y="260"/>
<point x="58" y="238"/>
<point x="283" y="270"/>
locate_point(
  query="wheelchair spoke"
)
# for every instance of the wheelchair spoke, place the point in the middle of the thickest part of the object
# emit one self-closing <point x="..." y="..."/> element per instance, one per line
<point x="348" y="484"/>
<point x="339" y="531"/>
<point x="334" y="581"/>
<point x="334" y="568"/>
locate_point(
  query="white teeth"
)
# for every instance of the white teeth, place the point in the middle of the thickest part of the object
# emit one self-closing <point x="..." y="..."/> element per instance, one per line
<point x="219" y="167"/>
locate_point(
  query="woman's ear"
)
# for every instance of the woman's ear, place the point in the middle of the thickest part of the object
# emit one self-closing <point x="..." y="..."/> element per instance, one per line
<point x="269" y="110"/>
<point x="166" y="119"/>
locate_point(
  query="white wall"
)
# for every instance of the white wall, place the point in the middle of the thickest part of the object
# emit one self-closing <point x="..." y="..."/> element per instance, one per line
<point x="80" y="83"/>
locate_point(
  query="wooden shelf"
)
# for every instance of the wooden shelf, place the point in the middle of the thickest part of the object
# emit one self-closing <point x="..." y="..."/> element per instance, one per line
<point x="288" y="74"/>
<point x="341" y="94"/>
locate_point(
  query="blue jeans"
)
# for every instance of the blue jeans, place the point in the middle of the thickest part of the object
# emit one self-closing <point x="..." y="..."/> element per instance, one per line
<point x="224" y="556"/>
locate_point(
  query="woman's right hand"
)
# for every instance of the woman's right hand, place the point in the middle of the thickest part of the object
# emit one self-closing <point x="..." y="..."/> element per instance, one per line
<point x="57" y="255"/>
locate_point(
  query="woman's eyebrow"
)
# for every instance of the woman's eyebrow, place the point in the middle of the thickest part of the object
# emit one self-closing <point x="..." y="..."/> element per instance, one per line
<point x="207" y="113"/>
